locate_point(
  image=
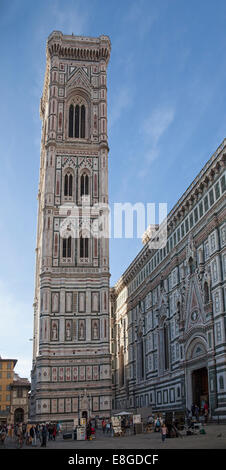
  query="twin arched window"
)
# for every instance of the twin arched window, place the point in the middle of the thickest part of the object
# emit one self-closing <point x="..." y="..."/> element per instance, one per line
<point x="68" y="183"/>
<point x="77" y="121"/>
<point x="84" y="247"/>
<point x="84" y="185"/>
<point x="67" y="247"/>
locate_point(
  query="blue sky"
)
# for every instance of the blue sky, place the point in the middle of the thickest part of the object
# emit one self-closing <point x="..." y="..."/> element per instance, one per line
<point x="166" y="109"/>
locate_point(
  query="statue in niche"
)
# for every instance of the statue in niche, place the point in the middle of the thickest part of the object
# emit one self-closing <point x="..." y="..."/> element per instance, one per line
<point x="54" y="331"/>
<point x="81" y="330"/>
<point x="95" y="330"/>
<point x="68" y="330"/>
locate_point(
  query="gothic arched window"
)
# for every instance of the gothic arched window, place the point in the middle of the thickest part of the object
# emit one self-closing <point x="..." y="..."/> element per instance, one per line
<point x="68" y="184"/>
<point x="166" y="346"/>
<point x="67" y="247"/>
<point x="71" y="120"/>
<point x="83" y="120"/>
<point x="77" y="113"/>
<point x="84" y="247"/>
<point x="84" y="185"/>
<point x="77" y="121"/>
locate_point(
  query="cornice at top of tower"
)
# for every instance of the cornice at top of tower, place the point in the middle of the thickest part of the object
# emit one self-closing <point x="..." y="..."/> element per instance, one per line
<point x="79" y="47"/>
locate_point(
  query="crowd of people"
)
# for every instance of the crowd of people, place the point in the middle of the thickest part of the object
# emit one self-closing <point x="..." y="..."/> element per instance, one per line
<point x="199" y="414"/>
<point x="30" y="434"/>
<point x="39" y="434"/>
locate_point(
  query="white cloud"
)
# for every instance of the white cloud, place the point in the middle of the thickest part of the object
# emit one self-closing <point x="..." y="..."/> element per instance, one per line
<point x="157" y="123"/>
<point x="153" y="129"/>
<point x="23" y="366"/>
<point x="121" y="101"/>
<point x="140" y="16"/>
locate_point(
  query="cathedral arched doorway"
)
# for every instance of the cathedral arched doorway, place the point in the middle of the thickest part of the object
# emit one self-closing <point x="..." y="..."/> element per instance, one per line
<point x="200" y="389"/>
<point x="19" y="415"/>
<point x="196" y="373"/>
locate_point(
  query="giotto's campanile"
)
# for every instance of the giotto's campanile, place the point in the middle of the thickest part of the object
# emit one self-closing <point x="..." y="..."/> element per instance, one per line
<point x="71" y="375"/>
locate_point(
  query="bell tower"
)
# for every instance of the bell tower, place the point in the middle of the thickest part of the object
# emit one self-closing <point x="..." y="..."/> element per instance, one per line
<point x="71" y="374"/>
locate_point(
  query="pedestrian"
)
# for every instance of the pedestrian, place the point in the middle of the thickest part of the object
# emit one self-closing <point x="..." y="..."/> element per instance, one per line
<point x="206" y="411"/>
<point x="24" y="428"/>
<point x="193" y="409"/>
<point x="3" y="435"/>
<point x="47" y="431"/>
<point x="108" y="427"/>
<point x="37" y="432"/>
<point x="164" y="432"/>
<point x="103" y="426"/>
<point x="54" y="433"/>
<point x="44" y="435"/>
<point x="32" y="435"/>
<point x="157" y="424"/>
<point x="50" y="429"/>
<point x="197" y="412"/>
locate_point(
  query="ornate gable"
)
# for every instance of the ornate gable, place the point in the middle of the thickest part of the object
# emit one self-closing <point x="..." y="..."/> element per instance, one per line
<point x="79" y="79"/>
<point x="194" y="307"/>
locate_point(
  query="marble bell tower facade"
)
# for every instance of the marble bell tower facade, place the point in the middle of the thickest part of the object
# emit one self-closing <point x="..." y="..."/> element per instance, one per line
<point x="71" y="372"/>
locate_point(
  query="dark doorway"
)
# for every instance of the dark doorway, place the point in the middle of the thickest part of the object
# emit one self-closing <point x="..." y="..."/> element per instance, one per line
<point x="84" y="414"/>
<point x="200" y="387"/>
<point x="19" y="415"/>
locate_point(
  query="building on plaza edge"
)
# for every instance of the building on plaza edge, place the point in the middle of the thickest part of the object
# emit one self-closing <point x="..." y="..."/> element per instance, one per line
<point x="19" y="410"/>
<point x="14" y="394"/>
<point x="71" y="373"/>
<point x="168" y="317"/>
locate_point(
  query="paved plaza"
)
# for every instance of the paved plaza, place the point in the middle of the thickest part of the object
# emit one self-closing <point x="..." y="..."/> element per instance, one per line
<point x="215" y="438"/>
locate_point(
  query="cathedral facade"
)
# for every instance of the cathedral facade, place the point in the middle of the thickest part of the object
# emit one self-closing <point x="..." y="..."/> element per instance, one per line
<point x="168" y="308"/>
<point x="71" y="373"/>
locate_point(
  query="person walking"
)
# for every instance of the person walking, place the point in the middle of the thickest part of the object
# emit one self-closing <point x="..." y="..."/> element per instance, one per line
<point x="103" y="426"/>
<point x="197" y="412"/>
<point x="108" y="427"/>
<point x="193" y="410"/>
<point x="32" y="435"/>
<point x="206" y="412"/>
<point x="44" y="435"/>
<point x="24" y="429"/>
<point x="157" y="424"/>
<point x="37" y="432"/>
<point x="164" y="432"/>
<point x="54" y="431"/>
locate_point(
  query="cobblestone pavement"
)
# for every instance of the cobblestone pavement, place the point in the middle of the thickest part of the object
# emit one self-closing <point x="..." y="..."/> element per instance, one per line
<point x="215" y="438"/>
